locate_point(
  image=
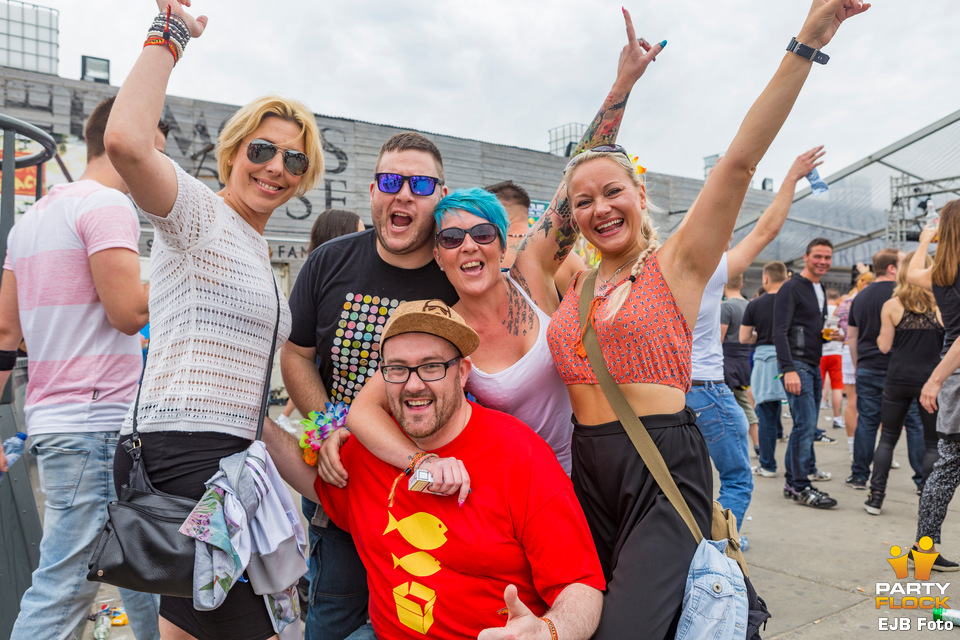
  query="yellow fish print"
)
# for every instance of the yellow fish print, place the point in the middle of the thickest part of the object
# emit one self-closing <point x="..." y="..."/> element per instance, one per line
<point x="420" y="564"/>
<point x="422" y="530"/>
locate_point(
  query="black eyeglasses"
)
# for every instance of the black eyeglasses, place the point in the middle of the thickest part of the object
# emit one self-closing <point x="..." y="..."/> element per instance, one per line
<point x="262" y="151"/>
<point x="419" y="185"/>
<point x="429" y="372"/>
<point x="453" y="237"/>
<point x="608" y="148"/>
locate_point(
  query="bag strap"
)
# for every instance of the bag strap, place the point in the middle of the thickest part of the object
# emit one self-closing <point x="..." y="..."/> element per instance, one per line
<point x="628" y="418"/>
<point x="133" y="444"/>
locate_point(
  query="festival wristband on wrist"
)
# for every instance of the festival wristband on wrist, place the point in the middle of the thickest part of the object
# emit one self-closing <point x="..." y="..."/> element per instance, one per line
<point x="415" y="462"/>
<point x="552" y="628"/>
<point x="169" y="31"/>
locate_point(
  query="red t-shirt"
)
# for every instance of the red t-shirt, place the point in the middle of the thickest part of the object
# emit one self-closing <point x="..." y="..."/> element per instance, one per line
<point x="437" y="570"/>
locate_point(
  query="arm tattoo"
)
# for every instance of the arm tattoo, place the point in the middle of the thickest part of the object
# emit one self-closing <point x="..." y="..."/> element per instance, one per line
<point x="558" y="216"/>
<point x="520" y="316"/>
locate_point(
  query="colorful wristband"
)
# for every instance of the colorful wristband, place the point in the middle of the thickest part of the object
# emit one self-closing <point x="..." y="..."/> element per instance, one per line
<point x="552" y="628"/>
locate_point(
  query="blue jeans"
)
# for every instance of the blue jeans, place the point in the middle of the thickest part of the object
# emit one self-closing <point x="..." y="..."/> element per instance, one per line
<point x="799" y="461"/>
<point x="76" y="477"/>
<point x="869" y="420"/>
<point x="916" y="446"/>
<point x="338" y="583"/>
<point x="869" y="405"/>
<point x="363" y="633"/>
<point x="724" y="427"/>
<point x="768" y="418"/>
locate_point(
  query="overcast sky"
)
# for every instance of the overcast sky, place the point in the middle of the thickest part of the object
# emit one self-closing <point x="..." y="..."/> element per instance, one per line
<point x="508" y="71"/>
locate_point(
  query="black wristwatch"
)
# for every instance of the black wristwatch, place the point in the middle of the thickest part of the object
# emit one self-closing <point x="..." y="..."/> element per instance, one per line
<point x="807" y="52"/>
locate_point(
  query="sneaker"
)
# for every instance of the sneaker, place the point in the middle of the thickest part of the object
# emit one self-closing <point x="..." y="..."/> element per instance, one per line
<point x="839" y="423"/>
<point x="856" y="483"/>
<point x="819" y="476"/>
<point x="894" y="464"/>
<point x="874" y="503"/>
<point x="763" y="473"/>
<point x="789" y="492"/>
<point x="814" y="498"/>
<point x="940" y="564"/>
<point x="823" y="438"/>
<point x="756" y="450"/>
<point x="285" y="424"/>
<point x="919" y="488"/>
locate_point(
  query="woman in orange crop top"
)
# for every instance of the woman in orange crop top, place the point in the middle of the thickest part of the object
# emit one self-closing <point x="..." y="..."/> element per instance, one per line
<point x="647" y="298"/>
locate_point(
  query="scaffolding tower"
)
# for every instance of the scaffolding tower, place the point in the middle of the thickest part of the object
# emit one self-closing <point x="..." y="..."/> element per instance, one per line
<point x="912" y="206"/>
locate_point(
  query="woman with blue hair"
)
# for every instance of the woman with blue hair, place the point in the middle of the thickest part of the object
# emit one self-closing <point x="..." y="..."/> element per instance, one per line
<point x="513" y="368"/>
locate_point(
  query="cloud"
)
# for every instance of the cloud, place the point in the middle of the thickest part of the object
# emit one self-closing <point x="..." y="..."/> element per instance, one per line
<point x="508" y="71"/>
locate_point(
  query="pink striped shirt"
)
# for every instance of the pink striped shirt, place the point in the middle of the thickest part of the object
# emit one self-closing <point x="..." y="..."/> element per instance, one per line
<point x="82" y="372"/>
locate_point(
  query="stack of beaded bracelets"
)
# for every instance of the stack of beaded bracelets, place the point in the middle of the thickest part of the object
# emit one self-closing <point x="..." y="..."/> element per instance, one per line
<point x="170" y="31"/>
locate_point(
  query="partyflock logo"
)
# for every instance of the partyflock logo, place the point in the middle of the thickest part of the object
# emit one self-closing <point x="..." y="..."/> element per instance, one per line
<point x="920" y="594"/>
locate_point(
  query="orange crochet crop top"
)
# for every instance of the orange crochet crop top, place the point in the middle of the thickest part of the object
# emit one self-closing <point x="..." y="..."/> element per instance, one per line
<point x="647" y="341"/>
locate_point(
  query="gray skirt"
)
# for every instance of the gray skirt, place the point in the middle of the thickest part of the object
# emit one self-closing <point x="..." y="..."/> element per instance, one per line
<point x="948" y="417"/>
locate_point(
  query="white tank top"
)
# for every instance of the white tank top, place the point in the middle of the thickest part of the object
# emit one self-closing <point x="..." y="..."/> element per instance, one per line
<point x="531" y="390"/>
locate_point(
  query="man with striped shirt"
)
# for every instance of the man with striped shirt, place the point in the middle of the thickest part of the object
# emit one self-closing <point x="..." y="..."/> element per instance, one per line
<point x="71" y="289"/>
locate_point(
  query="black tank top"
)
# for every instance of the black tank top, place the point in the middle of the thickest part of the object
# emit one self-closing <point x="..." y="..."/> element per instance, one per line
<point x="948" y="299"/>
<point x="916" y="348"/>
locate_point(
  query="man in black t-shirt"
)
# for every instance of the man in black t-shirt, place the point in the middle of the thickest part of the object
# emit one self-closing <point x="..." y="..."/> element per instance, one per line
<point x="340" y="303"/>
<point x="799" y="312"/>
<point x="871" y="365"/>
<point x="756" y="327"/>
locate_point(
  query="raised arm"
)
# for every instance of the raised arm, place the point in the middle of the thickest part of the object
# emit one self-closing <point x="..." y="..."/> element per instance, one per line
<point x="549" y="242"/>
<point x="131" y="130"/>
<point x="690" y="255"/>
<point x="768" y="225"/>
<point x="917" y="274"/>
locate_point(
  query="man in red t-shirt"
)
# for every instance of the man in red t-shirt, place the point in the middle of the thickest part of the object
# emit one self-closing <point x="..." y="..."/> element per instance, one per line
<point x="439" y="570"/>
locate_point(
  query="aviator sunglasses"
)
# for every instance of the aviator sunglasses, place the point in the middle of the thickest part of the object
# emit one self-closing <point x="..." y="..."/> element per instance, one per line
<point x="262" y="151"/>
<point x="452" y="237"/>
<point x="419" y="185"/>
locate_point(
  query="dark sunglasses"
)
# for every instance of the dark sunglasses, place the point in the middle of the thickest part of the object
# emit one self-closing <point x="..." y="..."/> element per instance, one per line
<point x="609" y="148"/>
<point x="419" y="185"/>
<point x="452" y="237"/>
<point x="262" y="152"/>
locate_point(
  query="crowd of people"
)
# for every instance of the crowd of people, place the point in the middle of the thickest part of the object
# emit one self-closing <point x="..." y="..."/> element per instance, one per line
<point x="483" y="484"/>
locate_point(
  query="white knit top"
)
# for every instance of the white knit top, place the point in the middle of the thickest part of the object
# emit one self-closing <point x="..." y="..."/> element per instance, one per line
<point x="213" y="307"/>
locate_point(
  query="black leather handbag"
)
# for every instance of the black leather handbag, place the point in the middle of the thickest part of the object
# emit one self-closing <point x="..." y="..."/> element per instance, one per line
<point x="141" y="547"/>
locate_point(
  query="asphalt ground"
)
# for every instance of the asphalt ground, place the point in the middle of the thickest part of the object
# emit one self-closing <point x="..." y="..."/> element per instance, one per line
<point x="818" y="570"/>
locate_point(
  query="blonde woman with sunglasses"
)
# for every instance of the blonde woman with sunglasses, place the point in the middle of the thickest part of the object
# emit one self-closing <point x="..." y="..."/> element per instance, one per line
<point x="214" y="300"/>
<point x="644" y="306"/>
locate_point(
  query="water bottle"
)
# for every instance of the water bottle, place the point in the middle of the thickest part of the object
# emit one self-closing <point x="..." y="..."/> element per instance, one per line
<point x="101" y="629"/>
<point x="817" y="185"/>
<point x="947" y="615"/>
<point x="13" y="449"/>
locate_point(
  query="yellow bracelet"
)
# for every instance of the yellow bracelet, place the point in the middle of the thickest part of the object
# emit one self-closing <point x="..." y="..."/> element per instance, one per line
<point x="553" y="629"/>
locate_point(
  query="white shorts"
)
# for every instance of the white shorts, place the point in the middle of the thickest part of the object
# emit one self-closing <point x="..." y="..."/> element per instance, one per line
<point x="849" y="372"/>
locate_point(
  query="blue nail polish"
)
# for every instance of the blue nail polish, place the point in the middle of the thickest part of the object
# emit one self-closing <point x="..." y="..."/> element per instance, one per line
<point x="663" y="44"/>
